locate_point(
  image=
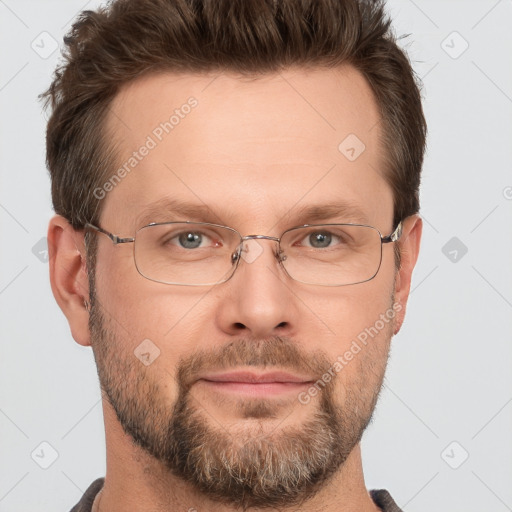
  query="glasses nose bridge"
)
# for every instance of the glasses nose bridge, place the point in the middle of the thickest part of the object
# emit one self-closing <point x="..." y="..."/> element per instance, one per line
<point x="246" y="238"/>
<point x="260" y="237"/>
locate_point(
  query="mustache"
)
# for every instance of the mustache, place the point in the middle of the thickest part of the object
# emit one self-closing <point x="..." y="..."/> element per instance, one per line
<point x="276" y="351"/>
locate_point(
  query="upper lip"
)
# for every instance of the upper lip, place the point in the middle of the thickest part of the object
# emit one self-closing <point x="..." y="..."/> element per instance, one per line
<point x="257" y="378"/>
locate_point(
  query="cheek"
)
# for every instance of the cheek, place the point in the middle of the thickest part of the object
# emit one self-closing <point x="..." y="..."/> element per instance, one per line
<point x="345" y="313"/>
<point x="139" y="309"/>
<point x="360" y="361"/>
<point x="358" y="326"/>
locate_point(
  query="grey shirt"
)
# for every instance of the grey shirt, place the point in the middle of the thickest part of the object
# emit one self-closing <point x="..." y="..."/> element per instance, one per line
<point x="381" y="498"/>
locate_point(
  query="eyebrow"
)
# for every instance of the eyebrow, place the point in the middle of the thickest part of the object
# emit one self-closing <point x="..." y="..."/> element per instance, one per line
<point x="339" y="211"/>
<point x="168" y="209"/>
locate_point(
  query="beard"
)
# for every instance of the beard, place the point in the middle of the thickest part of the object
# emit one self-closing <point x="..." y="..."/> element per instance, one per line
<point x="249" y="464"/>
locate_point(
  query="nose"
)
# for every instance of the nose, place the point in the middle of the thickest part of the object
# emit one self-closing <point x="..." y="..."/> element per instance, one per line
<point x="258" y="300"/>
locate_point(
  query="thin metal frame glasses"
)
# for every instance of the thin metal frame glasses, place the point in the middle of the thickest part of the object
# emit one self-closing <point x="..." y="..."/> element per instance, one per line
<point x="167" y="253"/>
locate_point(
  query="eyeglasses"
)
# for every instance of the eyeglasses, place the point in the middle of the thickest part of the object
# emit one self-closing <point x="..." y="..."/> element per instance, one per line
<point x="204" y="254"/>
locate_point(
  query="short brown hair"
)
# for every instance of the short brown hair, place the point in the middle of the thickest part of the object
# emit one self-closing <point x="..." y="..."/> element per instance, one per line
<point x="129" y="38"/>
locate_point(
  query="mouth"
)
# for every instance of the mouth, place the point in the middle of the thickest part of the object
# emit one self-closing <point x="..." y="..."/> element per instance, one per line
<point x="256" y="384"/>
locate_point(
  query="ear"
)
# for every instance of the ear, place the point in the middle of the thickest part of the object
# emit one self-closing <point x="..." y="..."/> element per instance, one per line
<point x="68" y="276"/>
<point x="409" y="250"/>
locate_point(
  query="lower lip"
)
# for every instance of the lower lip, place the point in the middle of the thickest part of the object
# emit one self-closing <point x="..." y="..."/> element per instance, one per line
<point x="257" y="389"/>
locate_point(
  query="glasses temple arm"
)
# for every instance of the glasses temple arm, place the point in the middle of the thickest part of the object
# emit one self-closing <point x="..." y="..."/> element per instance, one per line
<point x="115" y="239"/>
<point x="393" y="237"/>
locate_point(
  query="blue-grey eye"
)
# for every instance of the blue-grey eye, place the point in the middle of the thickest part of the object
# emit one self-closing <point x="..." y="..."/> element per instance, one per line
<point x="190" y="240"/>
<point x="320" y="240"/>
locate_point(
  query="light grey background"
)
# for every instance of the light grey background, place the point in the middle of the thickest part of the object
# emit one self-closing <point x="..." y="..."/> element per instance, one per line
<point x="448" y="391"/>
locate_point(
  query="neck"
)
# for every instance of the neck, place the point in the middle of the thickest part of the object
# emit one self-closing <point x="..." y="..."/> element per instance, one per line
<point x="137" y="482"/>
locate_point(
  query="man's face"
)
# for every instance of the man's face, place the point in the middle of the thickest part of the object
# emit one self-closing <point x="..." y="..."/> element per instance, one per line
<point x="256" y="153"/>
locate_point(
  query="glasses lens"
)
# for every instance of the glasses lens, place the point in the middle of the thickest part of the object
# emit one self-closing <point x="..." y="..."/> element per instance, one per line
<point x="186" y="253"/>
<point x="332" y="254"/>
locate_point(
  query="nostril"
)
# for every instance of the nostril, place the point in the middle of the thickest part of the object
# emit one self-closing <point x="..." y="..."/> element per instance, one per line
<point x="239" y="325"/>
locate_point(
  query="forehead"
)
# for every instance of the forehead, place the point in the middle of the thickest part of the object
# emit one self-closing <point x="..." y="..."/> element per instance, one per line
<point x="250" y="149"/>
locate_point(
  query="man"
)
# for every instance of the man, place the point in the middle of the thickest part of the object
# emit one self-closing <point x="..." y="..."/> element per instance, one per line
<point x="236" y="189"/>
